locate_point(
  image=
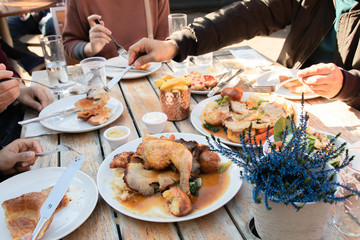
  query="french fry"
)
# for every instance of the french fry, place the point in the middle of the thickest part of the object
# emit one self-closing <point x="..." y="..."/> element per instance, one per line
<point x="173" y="84"/>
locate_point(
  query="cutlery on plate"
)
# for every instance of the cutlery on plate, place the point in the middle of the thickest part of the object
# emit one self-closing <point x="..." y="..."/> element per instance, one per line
<point x="117" y="78"/>
<point x="67" y="111"/>
<point x="56" y="194"/>
<point x="131" y="70"/>
<point x="59" y="148"/>
<point x="122" y="52"/>
<point x="56" y="87"/>
<point x="223" y="83"/>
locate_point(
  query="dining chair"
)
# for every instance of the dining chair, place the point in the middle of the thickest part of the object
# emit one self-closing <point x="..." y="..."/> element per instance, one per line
<point x="58" y="16"/>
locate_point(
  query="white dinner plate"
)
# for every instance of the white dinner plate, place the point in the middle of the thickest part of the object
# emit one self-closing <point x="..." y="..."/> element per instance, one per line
<point x="122" y="62"/>
<point x="104" y="177"/>
<point x="271" y="78"/>
<point x="197" y="112"/>
<point x="69" y="122"/>
<point x="82" y="192"/>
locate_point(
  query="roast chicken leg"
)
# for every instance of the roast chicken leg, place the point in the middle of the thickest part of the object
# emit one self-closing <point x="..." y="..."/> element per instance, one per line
<point x="160" y="153"/>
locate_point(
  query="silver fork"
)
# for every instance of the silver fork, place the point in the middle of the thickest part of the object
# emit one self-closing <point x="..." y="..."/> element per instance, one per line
<point x="59" y="148"/>
<point x="57" y="87"/>
<point x="122" y="51"/>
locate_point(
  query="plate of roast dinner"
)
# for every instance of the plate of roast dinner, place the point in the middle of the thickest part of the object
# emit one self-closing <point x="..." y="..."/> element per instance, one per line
<point x="227" y="115"/>
<point x="23" y="195"/>
<point x="168" y="177"/>
<point x="93" y="113"/>
<point x="290" y="90"/>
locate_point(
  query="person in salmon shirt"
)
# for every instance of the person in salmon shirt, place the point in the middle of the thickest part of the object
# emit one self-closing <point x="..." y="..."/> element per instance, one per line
<point x="126" y="21"/>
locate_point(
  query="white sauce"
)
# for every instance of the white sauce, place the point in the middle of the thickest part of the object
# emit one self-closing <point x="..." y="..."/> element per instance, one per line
<point x="154" y="117"/>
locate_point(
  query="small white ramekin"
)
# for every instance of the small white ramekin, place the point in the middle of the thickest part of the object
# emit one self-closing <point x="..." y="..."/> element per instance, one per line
<point x="155" y="126"/>
<point x="117" y="142"/>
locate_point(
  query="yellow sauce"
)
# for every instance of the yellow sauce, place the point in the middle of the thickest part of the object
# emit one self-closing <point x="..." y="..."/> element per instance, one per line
<point x="116" y="133"/>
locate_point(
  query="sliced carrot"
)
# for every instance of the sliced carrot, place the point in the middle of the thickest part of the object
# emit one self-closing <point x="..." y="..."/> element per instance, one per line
<point x="262" y="136"/>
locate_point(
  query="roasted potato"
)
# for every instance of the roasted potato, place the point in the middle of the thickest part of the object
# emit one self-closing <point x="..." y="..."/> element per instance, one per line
<point x="209" y="162"/>
<point x="234" y="93"/>
<point x="178" y="202"/>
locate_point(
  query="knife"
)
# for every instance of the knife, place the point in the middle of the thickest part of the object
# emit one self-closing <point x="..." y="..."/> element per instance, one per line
<point x="56" y="194"/>
<point x="71" y="110"/>
<point x="117" y="78"/>
<point x="223" y="83"/>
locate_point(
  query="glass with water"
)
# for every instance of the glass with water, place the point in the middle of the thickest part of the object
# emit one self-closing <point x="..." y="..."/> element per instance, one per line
<point x="54" y="57"/>
<point x="176" y="22"/>
<point x="95" y="74"/>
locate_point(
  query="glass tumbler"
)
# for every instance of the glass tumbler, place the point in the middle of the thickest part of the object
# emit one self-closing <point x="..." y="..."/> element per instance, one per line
<point x="347" y="214"/>
<point x="54" y="58"/>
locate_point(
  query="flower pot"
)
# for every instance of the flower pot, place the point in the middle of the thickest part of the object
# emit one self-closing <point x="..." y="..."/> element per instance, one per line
<point x="284" y="222"/>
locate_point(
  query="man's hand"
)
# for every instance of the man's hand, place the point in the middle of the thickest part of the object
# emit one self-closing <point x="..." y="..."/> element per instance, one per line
<point x="36" y="97"/>
<point x="325" y="79"/>
<point x="19" y="155"/>
<point x="98" y="35"/>
<point x="9" y="90"/>
<point x="154" y="50"/>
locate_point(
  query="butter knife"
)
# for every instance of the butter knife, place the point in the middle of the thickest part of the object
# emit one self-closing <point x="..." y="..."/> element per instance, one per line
<point x="56" y="194"/>
<point x="67" y="111"/>
<point x="117" y="78"/>
<point x="223" y="83"/>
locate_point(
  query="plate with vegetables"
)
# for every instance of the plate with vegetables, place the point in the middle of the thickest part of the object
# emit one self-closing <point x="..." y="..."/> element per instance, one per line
<point x="316" y="140"/>
<point x="226" y="116"/>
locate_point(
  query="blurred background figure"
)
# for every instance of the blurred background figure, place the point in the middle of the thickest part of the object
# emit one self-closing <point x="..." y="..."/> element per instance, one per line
<point x="126" y="21"/>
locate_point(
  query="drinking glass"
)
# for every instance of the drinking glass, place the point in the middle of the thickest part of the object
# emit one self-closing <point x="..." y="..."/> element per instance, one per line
<point x="94" y="72"/>
<point x="347" y="214"/>
<point x="54" y="58"/>
<point x="176" y="22"/>
<point x="204" y="60"/>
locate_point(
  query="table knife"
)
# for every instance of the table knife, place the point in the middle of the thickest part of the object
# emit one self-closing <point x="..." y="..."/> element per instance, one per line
<point x="56" y="194"/>
<point x="71" y="110"/>
<point x="117" y="78"/>
<point x="223" y="83"/>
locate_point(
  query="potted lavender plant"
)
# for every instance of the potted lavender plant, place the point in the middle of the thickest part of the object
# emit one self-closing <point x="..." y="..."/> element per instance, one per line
<point x="292" y="188"/>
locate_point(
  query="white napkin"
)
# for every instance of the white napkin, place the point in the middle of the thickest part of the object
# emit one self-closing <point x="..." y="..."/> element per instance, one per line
<point x="36" y="129"/>
<point x="250" y="58"/>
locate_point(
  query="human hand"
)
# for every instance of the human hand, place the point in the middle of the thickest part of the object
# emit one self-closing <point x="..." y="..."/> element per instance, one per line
<point x="19" y="155"/>
<point x="36" y="97"/>
<point x="325" y="79"/>
<point x="9" y="90"/>
<point x="155" y="51"/>
<point x="98" y="35"/>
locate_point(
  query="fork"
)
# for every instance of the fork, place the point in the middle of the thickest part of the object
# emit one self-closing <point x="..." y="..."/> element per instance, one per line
<point x="122" y="51"/>
<point x="57" y="87"/>
<point x="59" y="148"/>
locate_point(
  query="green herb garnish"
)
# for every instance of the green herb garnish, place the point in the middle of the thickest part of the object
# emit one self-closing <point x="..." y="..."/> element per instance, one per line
<point x="195" y="186"/>
<point x="224" y="166"/>
<point x="222" y="100"/>
<point x="211" y="127"/>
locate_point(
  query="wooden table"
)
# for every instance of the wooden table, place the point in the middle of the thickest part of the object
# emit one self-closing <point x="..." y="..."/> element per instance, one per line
<point x="231" y="221"/>
<point x="17" y="7"/>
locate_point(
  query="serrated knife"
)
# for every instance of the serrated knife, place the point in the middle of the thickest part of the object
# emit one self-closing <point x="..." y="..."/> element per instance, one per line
<point x="117" y="78"/>
<point x="56" y="194"/>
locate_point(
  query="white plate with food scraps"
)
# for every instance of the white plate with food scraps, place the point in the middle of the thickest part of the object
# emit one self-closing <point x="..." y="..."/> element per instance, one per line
<point x="271" y="78"/>
<point x="112" y="70"/>
<point x="159" y="213"/>
<point x="82" y="192"/>
<point x="69" y="122"/>
<point x="196" y="116"/>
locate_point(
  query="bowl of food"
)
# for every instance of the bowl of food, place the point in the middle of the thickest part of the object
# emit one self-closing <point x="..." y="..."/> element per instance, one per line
<point x="117" y="136"/>
<point x="155" y="121"/>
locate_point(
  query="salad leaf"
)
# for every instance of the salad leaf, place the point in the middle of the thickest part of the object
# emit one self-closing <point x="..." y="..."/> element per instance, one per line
<point x="195" y="186"/>
<point x="279" y="127"/>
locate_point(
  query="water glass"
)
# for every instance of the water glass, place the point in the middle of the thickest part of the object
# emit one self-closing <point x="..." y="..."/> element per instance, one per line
<point x="347" y="214"/>
<point x="204" y="60"/>
<point x="94" y="72"/>
<point x="54" y="57"/>
<point x="176" y="22"/>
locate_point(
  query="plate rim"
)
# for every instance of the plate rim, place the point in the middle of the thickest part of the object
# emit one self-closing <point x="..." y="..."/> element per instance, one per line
<point x="293" y="96"/>
<point x="90" y="128"/>
<point x="171" y="218"/>
<point x="80" y="176"/>
<point x="157" y="66"/>
<point x="198" y="109"/>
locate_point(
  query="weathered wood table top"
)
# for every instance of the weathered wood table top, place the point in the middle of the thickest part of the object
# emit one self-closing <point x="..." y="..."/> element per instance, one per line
<point x="140" y="96"/>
